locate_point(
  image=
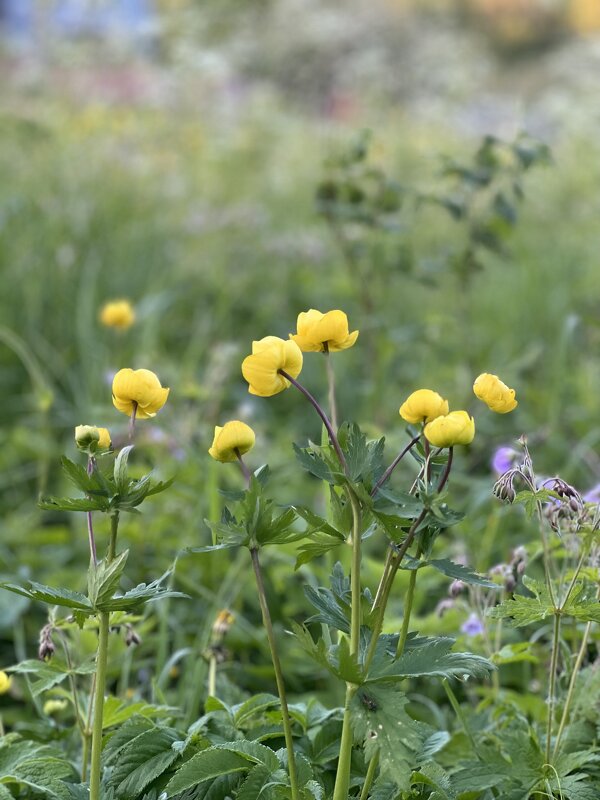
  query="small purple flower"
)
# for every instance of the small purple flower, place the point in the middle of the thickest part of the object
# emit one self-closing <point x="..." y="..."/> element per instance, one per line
<point x="593" y="495"/>
<point x="473" y="626"/>
<point x="504" y="459"/>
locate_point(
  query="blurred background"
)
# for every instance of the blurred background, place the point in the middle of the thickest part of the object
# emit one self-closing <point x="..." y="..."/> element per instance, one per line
<point x="431" y="167"/>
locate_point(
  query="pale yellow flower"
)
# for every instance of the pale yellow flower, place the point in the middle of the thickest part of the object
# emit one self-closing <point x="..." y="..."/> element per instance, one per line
<point x="138" y="389"/>
<point x="54" y="707"/>
<point x="424" y="405"/>
<point x="5" y="682"/>
<point x="233" y="438"/>
<point x="117" y="314"/>
<point x="318" y="332"/>
<point x="269" y="355"/>
<point x="458" y="427"/>
<point x="91" y="439"/>
<point x="495" y="394"/>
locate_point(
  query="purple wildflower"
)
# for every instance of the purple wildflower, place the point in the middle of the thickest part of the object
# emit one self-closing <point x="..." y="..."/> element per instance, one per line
<point x="504" y="459"/>
<point x="473" y="626"/>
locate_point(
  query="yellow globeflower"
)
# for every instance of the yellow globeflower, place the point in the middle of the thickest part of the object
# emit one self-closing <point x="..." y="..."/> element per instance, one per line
<point x="233" y="438"/>
<point x="139" y="390"/>
<point x="90" y="439"/>
<point x="269" y="355"/>
<point x="117" y="314"/>
<point x="318" y="332"/>
<point x="495" y="394"/>
<point x="51" y="707"/>
<point x="5" y="682"/>
<point x="458" y="427"/>
<point x="424" y="405"/>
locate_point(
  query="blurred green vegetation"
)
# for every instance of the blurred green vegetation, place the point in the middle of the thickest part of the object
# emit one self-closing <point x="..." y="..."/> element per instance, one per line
<point x="214" y="229"/>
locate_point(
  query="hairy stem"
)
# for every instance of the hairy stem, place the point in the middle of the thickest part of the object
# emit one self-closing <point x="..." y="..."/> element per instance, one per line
<point x="325" y="419"/>
<point x="331" y="389"/>
<point x="285" y="716"/>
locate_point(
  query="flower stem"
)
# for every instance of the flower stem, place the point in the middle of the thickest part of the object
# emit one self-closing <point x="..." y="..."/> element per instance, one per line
<point x="552" y="689"/>
<point x="332" y="436"/>
<point x="90" y="469"/>
<point x="370" y="776"/>
<point x="408" y="604"/>
<point x="245" y="471"/>
<point x="287" y="727"/>
<point x="331" y="388"/>
<point x="342" y="779"/>
<point x="212" y="676"/>
<point x="132" y="421"/>
<point x="100" y="686"/>
<point x="394" y="464"/>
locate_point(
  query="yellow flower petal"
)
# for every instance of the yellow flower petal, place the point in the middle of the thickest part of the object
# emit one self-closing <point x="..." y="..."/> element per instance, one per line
<point x="261" y="368"/>
<point x="458" y="427"/>
<point x="317" y="332"/>
<point x="494" y="393"/>
<point x="424" y="405"/>
<point x="233" y="436"/>
<point x="117" y="314"/>
<point x="139" y="389"/>
<point x="5" y="682"/>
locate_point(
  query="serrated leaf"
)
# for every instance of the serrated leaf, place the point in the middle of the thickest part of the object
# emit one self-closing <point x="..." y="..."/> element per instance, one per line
<point x="313" y="461"/>
<point x="521" y="610"/>
<point x="117" y="711"/>
<point x="379" y="720"/>
<point x="432" y="658"/>
<point x="144" y="760"/>
<point x="254" y="706"/>
<point x="48" y="674"/>
<point x="47" y="594"/>
<point x="142" y="593"/>
<point x="74" y="504"/>
<point x="318" y="546"/>
<point x="460" y="572"/>
<point x="104" y="578"/>
<point x="253" y="785"/>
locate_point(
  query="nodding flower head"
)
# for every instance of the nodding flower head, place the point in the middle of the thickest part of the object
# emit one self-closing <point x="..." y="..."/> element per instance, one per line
<point x="495" y="394"/>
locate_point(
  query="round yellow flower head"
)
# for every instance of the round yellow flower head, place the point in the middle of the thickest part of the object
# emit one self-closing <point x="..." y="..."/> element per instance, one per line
<point x="138" y="389"/>
<point x="117" y="314"/>
<point x="458" y="427"/>
<point x="269" y="355"/>
<point x="5" y="682"/>
<point x="318" y="332"/>
<point x="424" y="405"/>
<point x="90" y="439"/>
<point x="495" y="394"/>
<point x="233" y="438"/>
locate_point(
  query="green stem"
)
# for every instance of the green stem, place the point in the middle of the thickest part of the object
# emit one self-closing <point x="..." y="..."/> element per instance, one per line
<point x="552" y="689"/>
<point x="571" y="690"/>
<point x="459" y="713"/>
<point x="331" y="389"/>
<point x="212" y="676"/>
<point x="285" y="716"/>
<point x="370" y="776"/>
<point x="408" y="605"/>
<point x="101" y="664"/>
<point x="342" y="779"/>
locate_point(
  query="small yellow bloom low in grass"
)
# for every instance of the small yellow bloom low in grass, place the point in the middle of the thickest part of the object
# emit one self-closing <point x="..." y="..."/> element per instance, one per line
<point x="91" y="439"/>
<point x="5" y="682"/>
<point x="117" y="314"/>
<point x="269" y="355"/>
<point x="51" y="707"/>
<point x="424" y="405"/>
<point x="495" y="394"/>
<point x="458" y="427"/>
<point x="138" y="390"/>
<point x="318" y="332"/>
<point x="233" y="438"/>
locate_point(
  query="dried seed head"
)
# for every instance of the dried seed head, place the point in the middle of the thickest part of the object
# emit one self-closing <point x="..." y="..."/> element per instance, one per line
<point x="47" y="648"/>
<point x="132" y="637"/>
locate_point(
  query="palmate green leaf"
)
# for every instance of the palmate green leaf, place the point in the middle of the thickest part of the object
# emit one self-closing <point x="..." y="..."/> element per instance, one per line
<point x="385" y="790"/>
<point x="48" y="674"/>
<point x="104" y="577"/>
<point x="142" y="593"/>
<point x="434" y="776"/>
<point x="117" y="712"/>
<point x="575" y="787"/>
<point x="314" y="460"/>
<point x="380" y="721"/>
<point x="94" y="484"/>
<point x="144" y="760"/>
<point x="336" y="659"/>
<point x="318" y="546"/>
<point x="520" y="610"/>
<point x="47" y="594"/>
<point x="317" y="524"/>
<point x="460" y="572"/>
<point x="220" y="760"/>
<point x="432" y="658"/>
<point x="364" y="460"/>
<point x="120" y="469"/>
<point x="74" y="504"/>
<point x="333" y="610"/>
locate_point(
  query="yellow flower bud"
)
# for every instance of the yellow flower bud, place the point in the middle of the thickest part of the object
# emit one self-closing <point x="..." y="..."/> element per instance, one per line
<point x="90" y="439"/>
<point x="5" y="682"/>
<point x="424" y="405"/>
<point x="54" y="707"/>
<point x="138" y="389"/>
<point x="117" y="314"/>
<point x="233" y="438"/>
<point x="269" y="355"/>
<point x="458" y="427"/>
<point x="318" y="332"/>
<point x="495" y="394"/>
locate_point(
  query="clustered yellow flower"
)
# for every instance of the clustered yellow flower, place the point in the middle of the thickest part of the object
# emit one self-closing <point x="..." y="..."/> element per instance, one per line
<point x="139" y="391"/>
<point x="5" y="682"/>
<point x="117" y="314"/>
<point x="232" y="440"/>
<point x="91" y="439"/>
<point x="318" y="332"/>
<point x="495" y="394"/>
<point x="262" y="368"/>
